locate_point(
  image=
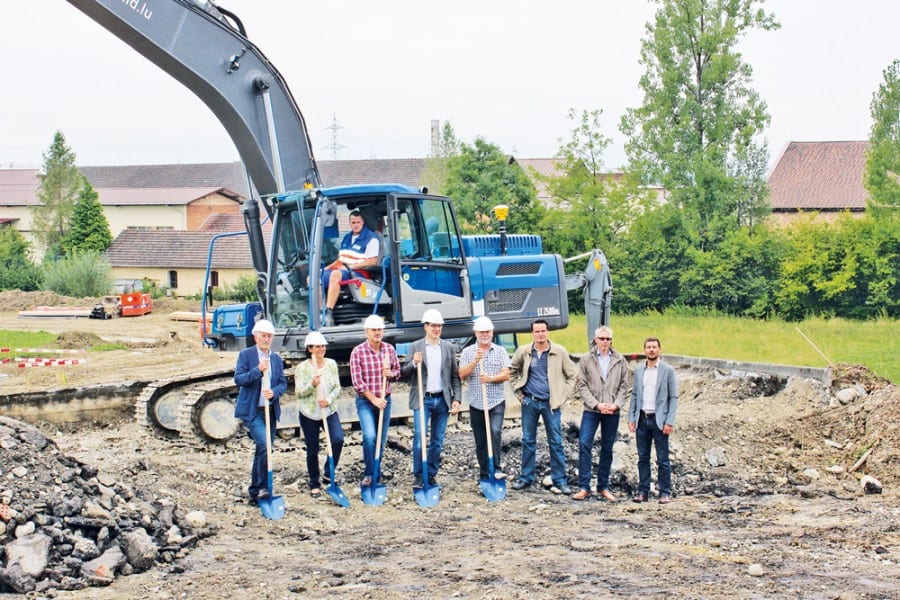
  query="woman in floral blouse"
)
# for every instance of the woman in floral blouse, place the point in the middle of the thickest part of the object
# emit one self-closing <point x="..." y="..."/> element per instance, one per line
<point x="318" y="387"/>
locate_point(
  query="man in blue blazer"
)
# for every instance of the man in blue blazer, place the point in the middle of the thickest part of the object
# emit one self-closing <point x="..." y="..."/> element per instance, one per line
<point x="260" y="375"/>
<point x="651" y="417"/>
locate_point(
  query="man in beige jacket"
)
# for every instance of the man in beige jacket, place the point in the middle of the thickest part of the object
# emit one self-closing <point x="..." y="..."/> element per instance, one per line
<point x="543" y="378"/>
<point x="603" y="386"/>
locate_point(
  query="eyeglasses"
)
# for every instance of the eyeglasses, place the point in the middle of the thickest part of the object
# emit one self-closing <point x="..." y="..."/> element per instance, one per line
<point x="604" y="339"/>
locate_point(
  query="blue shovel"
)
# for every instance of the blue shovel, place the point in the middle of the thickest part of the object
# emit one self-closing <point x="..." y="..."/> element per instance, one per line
<point x="376" y="493"/>
<point x="272" y="506"/>
<point x="427" y="495"/>
<point x="493" y="489"/>
<point x="333" y="491"/>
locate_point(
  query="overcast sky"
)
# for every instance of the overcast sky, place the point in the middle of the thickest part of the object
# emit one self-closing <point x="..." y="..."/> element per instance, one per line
<point x="507" y="71"/>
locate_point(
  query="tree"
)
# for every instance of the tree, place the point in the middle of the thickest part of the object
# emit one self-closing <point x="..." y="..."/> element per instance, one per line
<point x="594" y="206"/>
<point x="696" y="131"/>
<point x="89" y="229"/>
<point x="882" y="177"/>
<point x="480" y="177"/>
<point x="434" y="177"/>
<point x="60" y="183"/>
<point x="17" y="270"/>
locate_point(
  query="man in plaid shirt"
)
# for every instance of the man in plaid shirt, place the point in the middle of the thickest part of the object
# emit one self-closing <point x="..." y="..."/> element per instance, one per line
<point x="485" y="363"/>
<point x="371" y="363"/>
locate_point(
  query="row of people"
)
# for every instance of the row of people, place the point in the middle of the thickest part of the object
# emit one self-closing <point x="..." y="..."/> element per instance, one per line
<point x="543" y="377"/>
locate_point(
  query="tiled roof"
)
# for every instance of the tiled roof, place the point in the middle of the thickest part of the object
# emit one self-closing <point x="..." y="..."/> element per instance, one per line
<point x="222" y="223"/>
<point x="162" y="248"/>
<point x="19" y="187"/>
<point x="202" y="175"/>
<point x="350" y="172"/>
<point x="157" y="196"/>
<point x="819" y="176"/>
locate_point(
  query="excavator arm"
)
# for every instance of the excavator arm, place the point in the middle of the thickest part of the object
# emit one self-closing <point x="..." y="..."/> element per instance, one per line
<point x="195" y="43"/>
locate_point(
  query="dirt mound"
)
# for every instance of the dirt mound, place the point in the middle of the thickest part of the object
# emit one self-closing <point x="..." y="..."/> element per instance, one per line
<point x="78" y="340"/>
<point x="845" y="374"/>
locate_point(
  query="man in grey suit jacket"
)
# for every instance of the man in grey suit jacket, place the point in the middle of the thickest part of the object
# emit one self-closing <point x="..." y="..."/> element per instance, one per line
<point x="651" y="417"/>
<point x="440" y="378"/>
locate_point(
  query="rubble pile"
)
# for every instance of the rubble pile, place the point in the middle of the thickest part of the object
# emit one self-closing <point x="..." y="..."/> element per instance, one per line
<point x="65" y="525"/>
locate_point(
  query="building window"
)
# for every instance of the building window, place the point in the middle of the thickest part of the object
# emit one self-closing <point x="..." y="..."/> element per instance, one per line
<point x="173" y="280"/>
<point x="214" y="278"/>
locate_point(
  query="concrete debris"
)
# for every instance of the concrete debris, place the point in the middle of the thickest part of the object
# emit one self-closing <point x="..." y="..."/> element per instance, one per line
<point x="870" y="485"/>
<point x="65" y="526"/>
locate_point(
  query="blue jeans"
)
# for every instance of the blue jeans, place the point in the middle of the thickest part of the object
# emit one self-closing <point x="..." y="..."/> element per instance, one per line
<point x="609" y="426"/>
<point x="311" y="429"/>
<point x="532" y="410"/>
<point x="646" y="434"/>
<point x="437" y="413"/>
<point x="368" y="422"/>
<point x="495" y="423"/>
<point x="260" y="470"/>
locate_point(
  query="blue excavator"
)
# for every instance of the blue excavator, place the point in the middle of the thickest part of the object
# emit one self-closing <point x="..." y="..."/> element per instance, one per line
<point x="424" y="262"/>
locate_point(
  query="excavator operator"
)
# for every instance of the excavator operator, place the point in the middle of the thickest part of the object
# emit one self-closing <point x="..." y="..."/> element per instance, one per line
<point x="359" y="251"/>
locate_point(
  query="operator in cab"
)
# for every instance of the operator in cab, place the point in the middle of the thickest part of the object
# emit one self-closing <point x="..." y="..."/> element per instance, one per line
<point x="358" y="252"/>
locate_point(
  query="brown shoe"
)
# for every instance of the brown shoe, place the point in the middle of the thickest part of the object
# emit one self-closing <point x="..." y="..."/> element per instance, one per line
<point x="581" y="495"/>
<point x="665" y="499"/>
<point x="607" y="496"/>
<point x="640" y="498"/>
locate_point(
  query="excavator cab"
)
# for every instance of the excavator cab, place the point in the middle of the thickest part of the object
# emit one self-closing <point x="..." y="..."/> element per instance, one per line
<point x="420" y="265"/>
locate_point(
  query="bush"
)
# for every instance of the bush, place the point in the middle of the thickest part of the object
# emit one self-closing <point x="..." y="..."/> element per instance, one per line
<point x="80" y="275"/>
<point x="243" y="290"/>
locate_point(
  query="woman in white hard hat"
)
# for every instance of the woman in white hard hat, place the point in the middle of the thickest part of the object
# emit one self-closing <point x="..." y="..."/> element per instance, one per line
<point x="318" y="387"/>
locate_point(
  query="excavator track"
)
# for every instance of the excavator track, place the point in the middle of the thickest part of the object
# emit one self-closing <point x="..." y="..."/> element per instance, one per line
<point x="157" y="406"/>
<point x="206" y="414"/>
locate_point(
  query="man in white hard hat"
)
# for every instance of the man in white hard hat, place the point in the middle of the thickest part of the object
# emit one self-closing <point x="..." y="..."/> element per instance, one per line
<point x="485" y="362"/>
<point x="442" y="393"/>
<point x="260" y="376"/>
<point x="373" y="364"/>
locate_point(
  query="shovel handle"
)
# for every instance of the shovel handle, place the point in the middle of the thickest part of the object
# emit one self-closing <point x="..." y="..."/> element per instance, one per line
<point x="421" y="414"/>
<point x="320" y="392"/>
<point x="386" y="364"/>
<point x="487" y="416"/>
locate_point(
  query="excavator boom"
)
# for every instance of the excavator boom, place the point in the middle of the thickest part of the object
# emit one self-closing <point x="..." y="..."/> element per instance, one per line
<point x="196" y="44"/>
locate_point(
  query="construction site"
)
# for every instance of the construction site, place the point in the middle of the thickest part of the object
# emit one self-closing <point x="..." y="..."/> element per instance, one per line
<point x="785" y="486"/>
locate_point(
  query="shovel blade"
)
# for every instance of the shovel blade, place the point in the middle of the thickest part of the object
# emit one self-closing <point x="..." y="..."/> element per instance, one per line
<point x="272" y="507"/>
<point x="493" y="489"/>
<point x="374" y="494"/>
<point x="428" y="496"/>
<point x="338" y="495"/>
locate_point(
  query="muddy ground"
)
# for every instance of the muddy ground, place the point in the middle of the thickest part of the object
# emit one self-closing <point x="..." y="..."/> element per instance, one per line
<point x="781" y="504"/>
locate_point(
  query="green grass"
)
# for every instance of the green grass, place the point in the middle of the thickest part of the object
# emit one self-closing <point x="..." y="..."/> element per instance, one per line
<point x="43" y="339"/>
<point x="874" y="344"/>
<point x="27" y="339"/>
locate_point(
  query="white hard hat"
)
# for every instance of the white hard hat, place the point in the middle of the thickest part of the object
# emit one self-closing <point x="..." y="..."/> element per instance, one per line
<point x="264" y="326"/>
<point x="483" y="324"/>
<point x="433" y="315"/>
<point x="315" y="339"/>
<point x="374" y="322"/>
